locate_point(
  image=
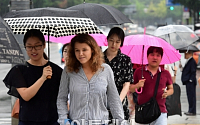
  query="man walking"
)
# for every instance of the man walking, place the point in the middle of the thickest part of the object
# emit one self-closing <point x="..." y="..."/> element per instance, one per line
<point x="150" y="74"/>
<point x="188" y="78"/>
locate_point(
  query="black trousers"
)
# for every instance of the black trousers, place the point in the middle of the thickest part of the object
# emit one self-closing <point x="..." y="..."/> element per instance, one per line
<point x="191" y="96"/>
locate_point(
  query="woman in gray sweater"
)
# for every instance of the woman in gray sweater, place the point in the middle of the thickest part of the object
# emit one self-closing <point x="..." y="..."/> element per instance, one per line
<point x="90" y="83"/>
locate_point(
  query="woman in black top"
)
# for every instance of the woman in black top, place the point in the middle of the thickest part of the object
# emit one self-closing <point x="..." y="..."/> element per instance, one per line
<point x="37" y="94"/>
<point x="120" y="64"/>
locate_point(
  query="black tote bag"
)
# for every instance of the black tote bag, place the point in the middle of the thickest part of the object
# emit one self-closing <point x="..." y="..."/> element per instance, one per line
<point x="149" y="111"/>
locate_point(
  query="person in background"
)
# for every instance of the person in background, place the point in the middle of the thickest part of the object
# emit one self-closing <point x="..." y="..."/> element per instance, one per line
<point x="36" y="93"/>
<point x="188" y="78"/>
<point x="150" y="73"/>
<point x="64" y="53"/>
<point x="121" y="65"/>
<point x="172" y="70"/>
<point x="90" y="83"/>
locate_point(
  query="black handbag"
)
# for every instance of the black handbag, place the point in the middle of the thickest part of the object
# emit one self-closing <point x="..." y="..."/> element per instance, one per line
<point x="173" y="102"/>
<point x="149" y="111"/>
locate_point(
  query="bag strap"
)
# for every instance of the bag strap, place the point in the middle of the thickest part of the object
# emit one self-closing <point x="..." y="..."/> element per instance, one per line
<point x="157" y="83"/>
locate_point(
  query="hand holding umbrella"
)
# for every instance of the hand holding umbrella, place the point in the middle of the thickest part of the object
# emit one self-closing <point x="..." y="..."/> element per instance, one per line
<point x="140" y="85"/>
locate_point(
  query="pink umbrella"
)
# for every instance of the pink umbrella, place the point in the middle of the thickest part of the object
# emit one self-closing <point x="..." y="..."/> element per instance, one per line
<point x="100" y="39"/>
<point x="135" y="46"/>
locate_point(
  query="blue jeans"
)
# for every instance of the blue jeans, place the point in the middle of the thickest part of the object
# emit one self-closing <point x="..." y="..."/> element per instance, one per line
<point x="162" y="120"/>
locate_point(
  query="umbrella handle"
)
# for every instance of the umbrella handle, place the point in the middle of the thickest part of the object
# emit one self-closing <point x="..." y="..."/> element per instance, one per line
<point x="138" y="92"/>
<point x="48" y="77"/>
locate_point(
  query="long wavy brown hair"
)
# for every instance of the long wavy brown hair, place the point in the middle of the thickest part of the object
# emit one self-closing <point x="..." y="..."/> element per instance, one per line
<point x="97" y="56"/>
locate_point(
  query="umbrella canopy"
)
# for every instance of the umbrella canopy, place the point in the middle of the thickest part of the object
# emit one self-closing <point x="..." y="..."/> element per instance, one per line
<point x="178" y="36"/>
<point x="65" y="23"/>
<point x="102" y="14"/>
<point x="10" y="51"/>
<point x="100" y="39"/>
<point x="53" y="26"/>
<point x="133" y="47"/>
<point x="189" y="48"/>
<point x="47" y="11"/>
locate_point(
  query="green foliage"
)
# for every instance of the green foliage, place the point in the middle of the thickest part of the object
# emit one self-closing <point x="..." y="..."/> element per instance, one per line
<point x="191" y="4"/>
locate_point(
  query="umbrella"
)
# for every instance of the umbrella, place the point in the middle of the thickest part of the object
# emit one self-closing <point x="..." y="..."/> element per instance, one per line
<point x="178" y="36"/>
<point x="136" y="45"/>
<point x="100" y="39"/>
<point x="50" y="24"/>
<point x="10" y="51"/>
<point x="102" y="14"/>
<point x="46" y="11"/>
<point x="189" y="48"/>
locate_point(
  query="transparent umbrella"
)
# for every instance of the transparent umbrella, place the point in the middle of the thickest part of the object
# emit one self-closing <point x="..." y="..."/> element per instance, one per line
<point x="178" y="36"/>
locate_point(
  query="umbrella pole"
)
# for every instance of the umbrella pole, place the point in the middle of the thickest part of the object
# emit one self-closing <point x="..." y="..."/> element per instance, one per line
<point x="142" y="60"/>
<point x="139" y="92"/>
<point x="48" y="45"/>
<point x="169" y="39"/>
<point x="48" y="77"/>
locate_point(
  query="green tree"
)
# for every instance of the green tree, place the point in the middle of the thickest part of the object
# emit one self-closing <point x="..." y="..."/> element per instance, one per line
<point x="193" y="5"/>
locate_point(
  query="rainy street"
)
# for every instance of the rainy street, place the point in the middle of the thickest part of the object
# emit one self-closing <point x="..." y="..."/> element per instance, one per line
<point x="5" y="101"/>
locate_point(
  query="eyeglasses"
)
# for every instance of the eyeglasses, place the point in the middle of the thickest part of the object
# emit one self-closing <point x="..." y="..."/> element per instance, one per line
<point x="30" y="48"/>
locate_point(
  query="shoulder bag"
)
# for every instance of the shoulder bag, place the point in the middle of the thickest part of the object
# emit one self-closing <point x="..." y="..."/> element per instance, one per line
<point x="15" y="110"/>
<point x="149" y="111"/>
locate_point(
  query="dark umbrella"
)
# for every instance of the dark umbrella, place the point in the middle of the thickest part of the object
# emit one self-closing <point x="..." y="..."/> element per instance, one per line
<point x="189" y="48"/>
<point x="102" y="14"/>
<point x="51" y="21"/>
<point x="10" y="51"/>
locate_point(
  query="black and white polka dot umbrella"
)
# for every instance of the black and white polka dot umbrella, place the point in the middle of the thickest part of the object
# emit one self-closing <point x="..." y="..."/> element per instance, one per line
<point x="51" y="21"/>
<point x="53" y="26"/>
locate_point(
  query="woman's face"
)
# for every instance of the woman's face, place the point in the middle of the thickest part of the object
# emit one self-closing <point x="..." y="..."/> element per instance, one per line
<point x="65" y="53"/>
<point x="83" y="52"/>
<point x="114" y="43"/>
<point x="34" y="48"/>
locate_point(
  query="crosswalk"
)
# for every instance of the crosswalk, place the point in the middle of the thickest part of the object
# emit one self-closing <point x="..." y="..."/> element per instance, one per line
<point x="5" y="121"/>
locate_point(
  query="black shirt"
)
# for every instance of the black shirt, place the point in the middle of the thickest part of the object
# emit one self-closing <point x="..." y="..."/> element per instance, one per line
<point x="123" y="72"/>
<point x="42" y="107"/>
<point x="122" y="69"/>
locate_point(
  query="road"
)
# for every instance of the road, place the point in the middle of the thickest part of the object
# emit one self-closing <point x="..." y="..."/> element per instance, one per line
<point x="5" y="102"/>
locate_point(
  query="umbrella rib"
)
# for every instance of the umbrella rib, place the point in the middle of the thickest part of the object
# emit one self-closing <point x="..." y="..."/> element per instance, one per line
<point x="167" y="56"/>
<point x="130" y="49"/>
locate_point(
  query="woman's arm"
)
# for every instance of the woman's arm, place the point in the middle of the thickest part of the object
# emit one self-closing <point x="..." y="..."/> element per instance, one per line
<point x="124" y="91"/>
<point x="30" y="92"/>
<point x="62" y="99"/>
<point x="113" y="98"/>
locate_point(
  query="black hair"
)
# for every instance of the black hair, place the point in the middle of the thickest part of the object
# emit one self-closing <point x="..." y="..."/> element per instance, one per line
<point x="119" y="32"/>
<point x="35" y="33"/>
<point x="66" y="44"/>
<point x="152" y="49"/>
